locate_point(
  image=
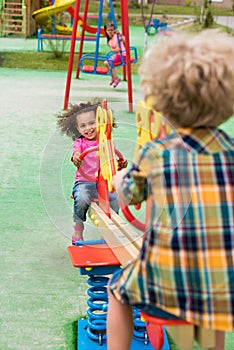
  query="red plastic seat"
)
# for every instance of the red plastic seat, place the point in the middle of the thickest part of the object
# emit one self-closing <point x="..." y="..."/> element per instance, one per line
<point x="92" y="255"/>
<point x="99" y="70"/>
<point x="155" y="331"/>
<point x="118" y="63"/>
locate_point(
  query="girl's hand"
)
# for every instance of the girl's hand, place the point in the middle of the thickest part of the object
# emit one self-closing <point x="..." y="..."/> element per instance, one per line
<point x="76" y="159"/>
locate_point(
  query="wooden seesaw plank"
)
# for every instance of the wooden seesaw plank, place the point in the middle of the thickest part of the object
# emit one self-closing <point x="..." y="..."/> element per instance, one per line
<point x="127" y="229"/>
<point x="122" y="246"/>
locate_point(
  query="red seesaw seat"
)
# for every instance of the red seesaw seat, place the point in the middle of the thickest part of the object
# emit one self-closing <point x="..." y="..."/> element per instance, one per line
<point x="182" y="332"/>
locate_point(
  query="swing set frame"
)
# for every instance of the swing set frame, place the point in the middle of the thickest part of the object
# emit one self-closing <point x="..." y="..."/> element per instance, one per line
<point x="125" y="30"/>
<point x="98" y="60"/>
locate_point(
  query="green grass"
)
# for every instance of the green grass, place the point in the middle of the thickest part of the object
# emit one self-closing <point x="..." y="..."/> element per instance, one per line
<point x="34" y="60"/>
<point x="41" y="60"/>
<point x="70" y="331"/>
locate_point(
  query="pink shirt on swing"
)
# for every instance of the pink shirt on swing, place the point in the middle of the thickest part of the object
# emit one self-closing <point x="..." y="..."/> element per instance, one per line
<point x="114" y="44"/>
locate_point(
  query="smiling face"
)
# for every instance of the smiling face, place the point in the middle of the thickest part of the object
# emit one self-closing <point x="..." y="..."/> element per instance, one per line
<point x="86" y="125"/>
<point x="110" y="30"/>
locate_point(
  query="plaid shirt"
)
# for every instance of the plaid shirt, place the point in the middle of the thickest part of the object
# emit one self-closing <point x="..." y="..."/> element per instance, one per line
<point x="186" y="262"/>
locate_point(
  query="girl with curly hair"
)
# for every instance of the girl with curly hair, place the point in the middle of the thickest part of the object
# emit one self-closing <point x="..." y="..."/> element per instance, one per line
<point x="79" y="123"/>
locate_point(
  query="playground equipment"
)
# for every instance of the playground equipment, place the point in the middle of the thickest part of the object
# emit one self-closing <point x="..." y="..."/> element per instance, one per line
<point x="153" y="25"/>
<point x="44" y="36"/>
<point x="97" y="67"/>
<point x="156" y="26"/>
<point x="44" y="16"/>
<point x="122" y="244"/>
<point x="16" y="17"/>
<point x="125" y="31"/>
<point x="98" y="259"/>
<point x="48" y="20"/>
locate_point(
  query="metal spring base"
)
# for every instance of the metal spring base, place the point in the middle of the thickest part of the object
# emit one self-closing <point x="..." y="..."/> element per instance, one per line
<point x="92" y="331"/>
<point x="96" y="323"/>
<point x="85" y="343"/>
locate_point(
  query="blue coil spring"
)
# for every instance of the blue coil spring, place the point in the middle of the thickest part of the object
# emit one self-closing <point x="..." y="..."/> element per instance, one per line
<point x="139" y="332"/>
<point x="97" y="302"/>
<point x="96" y="324"/>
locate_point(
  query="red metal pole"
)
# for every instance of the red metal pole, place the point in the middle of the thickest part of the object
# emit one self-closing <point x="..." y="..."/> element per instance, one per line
<point x="123" y="31"/>
<point x="86" y="6"/>
<point x="124" y="7"/>
<point x="71" y="56"/>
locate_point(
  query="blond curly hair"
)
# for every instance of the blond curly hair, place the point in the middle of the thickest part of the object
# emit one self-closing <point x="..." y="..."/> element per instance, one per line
<point x="191" y="78"/>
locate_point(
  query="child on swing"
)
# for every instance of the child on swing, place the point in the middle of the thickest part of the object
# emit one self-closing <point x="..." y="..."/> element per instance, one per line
<point x="79" y="123"/>
<point x="185" y="268"/>
<point x="116" y="41"/>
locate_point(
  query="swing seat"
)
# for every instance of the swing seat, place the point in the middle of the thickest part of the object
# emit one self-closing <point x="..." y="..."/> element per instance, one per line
<point x="119" y="63"/>
<point x="90" y="64"/>
<point x="122" y="62"/>
<point x="86" y="67"/>
<point x="99" y="70"/>
<point x="182" y="332"/>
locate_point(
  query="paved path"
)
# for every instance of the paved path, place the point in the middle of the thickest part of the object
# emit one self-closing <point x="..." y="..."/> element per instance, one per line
<point x="225" y="21"/>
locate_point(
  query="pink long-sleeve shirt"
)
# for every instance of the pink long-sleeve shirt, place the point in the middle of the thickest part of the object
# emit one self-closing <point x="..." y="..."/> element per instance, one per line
<point x="90" y="161"/>
<point x="114" y="44"/>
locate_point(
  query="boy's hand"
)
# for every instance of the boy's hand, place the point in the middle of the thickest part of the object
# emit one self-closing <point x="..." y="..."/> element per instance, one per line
<point x="116" y="182"/>
<point x="122" y="163"/>
<point x="117" y="178"/>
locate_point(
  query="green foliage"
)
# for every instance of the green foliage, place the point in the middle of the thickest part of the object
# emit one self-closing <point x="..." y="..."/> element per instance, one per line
<point x="232" y="5"/>
<point x="45" y="3"/>
<point x="206" y="17"/>
<point x="132" y="4"/>
<point x="209" y="20"/>
<point x="58" y="47"/>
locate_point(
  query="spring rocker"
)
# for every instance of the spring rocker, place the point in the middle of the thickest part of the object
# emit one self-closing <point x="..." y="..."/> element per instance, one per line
<point x="121" y="244"/>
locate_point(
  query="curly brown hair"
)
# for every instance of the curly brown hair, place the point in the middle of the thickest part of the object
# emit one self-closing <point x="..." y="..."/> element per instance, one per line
<point x="67" y="119"/>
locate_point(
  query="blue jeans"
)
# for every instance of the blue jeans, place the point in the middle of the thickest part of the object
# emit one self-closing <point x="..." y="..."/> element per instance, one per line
<point x="83" y="192"/>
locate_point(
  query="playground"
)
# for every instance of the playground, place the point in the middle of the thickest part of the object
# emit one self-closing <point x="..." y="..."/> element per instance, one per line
<point x="42" y="294"/>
